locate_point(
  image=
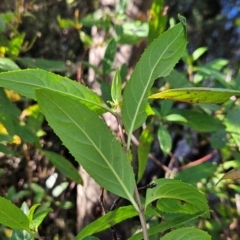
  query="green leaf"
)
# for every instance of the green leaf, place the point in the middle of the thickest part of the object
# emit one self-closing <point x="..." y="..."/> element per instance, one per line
<point x="198" y="53"/>
<point x="116" y="88"/>
<point x="165" y="225"/>
<point x="90" y="142"/>
<point x="7" y="64"/>
<point x="187" y="234"/>
<point x="86" y="39"/>
<point x="165" y="140"/>
<point x="197" y="95"/>
<point x="38" y="218"/>
<point x="157" y="61"/>
<point x="157" y="21"/>
<point x="2" y="24"/>
<point x="11" y="216"/>
<point x="145" y="141"/>
<point x="25" y="82"/>
<point x="196" y="173"/>
<point x="219" y="139"/>
<point x="109" y="56"/>
<point x="176" y="197"/>
<point x="108" y="220"/>
<point x="177" y="80"/>
<point x="64" y="166"/>
<point x="31" y="212"/>
<point x="21" y="235"/>
<point x="48" y="65"/>
<point x="198" y="121"/>
<point x="232" y="123"/>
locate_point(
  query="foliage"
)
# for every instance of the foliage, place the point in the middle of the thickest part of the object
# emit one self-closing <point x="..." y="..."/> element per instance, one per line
<point x="73" y="111"/>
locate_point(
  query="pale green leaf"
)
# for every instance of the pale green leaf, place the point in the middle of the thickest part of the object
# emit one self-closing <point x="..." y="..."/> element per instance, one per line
<point x="164" y="139"/>
<point x="7" y="64"/>
<point x="116" y="88"/>
<point x="197" y="95"/>
<point x="145" y="141"/>
<point x="21" y="235"/>
<point x="108" y="220"/>
<point x="11" y="216"/>
<point x="157" y="61"/>
<point x="89" y="141"/>
<point x="165" y="225"/>
<point x="176" y="197"/>
<point x="64" y="166"/>
<point x="187" y="234"/>
<point x="198" y="53"/>
<point x="25" y="82"/>
<point x="31" y="211"/>
<point x="38" y="218"/>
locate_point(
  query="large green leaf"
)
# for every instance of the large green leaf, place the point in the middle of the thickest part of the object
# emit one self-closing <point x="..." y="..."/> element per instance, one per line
<point x="197" y="95"/>
<point x="157" y="61"/>
<point x="108" y="220"/>
<point x="11" y="216"/>
<point x="90" y="142"/>
<point x="27" y="81"/>
<point x="176" y="197"/>
<point x="165" y="225"/>
<point x="187" y="234"/>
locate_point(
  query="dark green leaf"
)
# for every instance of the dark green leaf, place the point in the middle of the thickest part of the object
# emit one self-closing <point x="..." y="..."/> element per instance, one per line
<point x="198" y="121"/>
<point x="11" y="216"/>
<point x="108" y="220"/>
<point x="176" y="197"/>
<point x="145" y="141"/>
<point x="90" y="142"/>
<point x="48" y="65"/>
<point x="165" y="225"/>
<point x="109" y="56"/>
<point x="187" y="234"/>
<point x="177" y="80"/>
<point x="158" y="60"/>
<point x="26" y="82"/>
<point x="64" y="166"/>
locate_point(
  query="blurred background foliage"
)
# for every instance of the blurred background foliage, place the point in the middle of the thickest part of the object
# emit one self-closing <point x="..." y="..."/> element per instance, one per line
<point x="196" y="144"/>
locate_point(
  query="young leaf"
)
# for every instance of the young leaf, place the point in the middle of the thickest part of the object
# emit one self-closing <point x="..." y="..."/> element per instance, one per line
<point x="176" y="197"/>
<point x="145" y="141"/>
<point x="187" y="234"/>
<point x="116" y="88"/>
<point x="11" y="216"/>
<point x="90" y="142"/>
<point x="164" y="139"/>
<point x="38" y="218"/>
<point x="165" y="225"/>
<point x="109" y="56"/>
<point x="31" y="211"/>
<point x="108" y="220"/>
<point x="25" y="82"/>
<point x="157" y="61"/>
<point x="64" y="166"/>
<point x="197" y="95"/>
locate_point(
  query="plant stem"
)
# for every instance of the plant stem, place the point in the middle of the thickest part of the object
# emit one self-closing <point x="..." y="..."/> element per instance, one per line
<point x="141" y="214"/>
